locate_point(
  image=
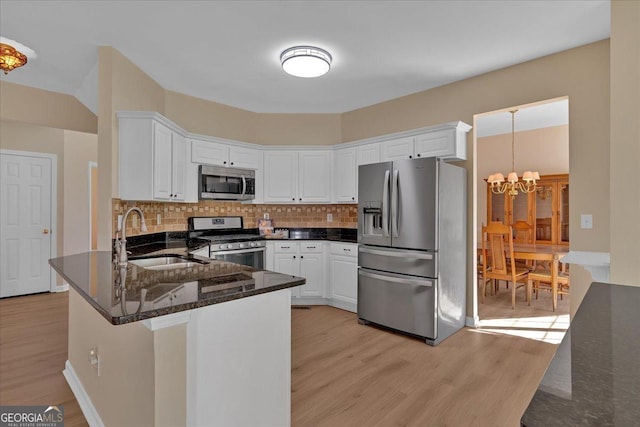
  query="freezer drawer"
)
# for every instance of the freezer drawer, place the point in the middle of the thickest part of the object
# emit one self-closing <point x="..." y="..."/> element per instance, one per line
<point x="397" y="301"/>
<point x="401" y="261"/>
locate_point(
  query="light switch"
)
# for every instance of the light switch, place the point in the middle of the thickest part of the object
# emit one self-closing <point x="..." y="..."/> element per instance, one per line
<point x="159" y="218"/>
<point x="586" y="221"/>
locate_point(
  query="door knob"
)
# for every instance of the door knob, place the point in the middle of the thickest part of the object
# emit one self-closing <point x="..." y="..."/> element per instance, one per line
<point x="45" y="231"/>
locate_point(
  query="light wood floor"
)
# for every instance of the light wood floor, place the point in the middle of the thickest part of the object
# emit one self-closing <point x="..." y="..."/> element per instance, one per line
<point x="343" y="373"/>
<point x="33" y="350"/>
<point x="498" y="306"/>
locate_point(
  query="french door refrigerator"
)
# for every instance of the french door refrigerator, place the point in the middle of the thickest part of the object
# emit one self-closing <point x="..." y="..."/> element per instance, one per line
<point x="412" y="247"/>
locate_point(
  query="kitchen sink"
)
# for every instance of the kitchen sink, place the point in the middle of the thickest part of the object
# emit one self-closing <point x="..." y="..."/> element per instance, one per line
<point x="165" y="262"/>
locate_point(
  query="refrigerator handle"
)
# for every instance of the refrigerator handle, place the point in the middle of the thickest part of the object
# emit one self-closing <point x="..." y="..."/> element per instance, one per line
<point x="385" y="205"/>
<point x="394" y="204"/>
<point x="417" y="282"/>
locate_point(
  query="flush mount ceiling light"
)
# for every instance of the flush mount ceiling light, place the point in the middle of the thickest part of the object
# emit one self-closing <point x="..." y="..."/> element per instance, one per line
<point x="13" y="54"/>
<point x="306" y="61"/>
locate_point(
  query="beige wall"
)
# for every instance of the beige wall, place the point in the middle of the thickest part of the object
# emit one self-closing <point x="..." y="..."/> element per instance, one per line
<point x="545" y="150"/>
<point x="210" y="118"/>
<point x="79" y="149"/>
<point x="40" y="139"/>
<point x="298" y="129"/>
<point x="42" y="107"/>
<point x="582" y="74"/>
<point x="625" y="142"/>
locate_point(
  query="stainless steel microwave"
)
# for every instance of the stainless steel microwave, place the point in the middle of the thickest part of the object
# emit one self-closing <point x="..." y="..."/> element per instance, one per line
<point x="222" y="183"/>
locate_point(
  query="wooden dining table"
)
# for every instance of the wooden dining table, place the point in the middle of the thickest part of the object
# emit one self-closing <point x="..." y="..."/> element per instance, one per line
<point x="551" y="254"/>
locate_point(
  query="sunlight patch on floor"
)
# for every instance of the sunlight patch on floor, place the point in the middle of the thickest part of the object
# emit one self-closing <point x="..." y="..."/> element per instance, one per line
<point x="550" y="329"/>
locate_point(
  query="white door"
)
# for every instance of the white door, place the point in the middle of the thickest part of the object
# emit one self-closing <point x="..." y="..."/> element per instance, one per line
<point x="312" y="268"/>
<point x="280" y="176"/>
<point x="345" y="171"/>
<point x="315" y="177"/>
<point x="25" y="224"/>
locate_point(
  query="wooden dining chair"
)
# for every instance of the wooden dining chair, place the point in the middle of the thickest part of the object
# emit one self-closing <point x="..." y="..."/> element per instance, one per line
<point x="522" y="232"/>
<point x="542" y="278"/>
<point x="496" y="266"/>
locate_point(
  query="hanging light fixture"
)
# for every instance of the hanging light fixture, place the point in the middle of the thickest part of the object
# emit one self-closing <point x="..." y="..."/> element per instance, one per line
<point x="512" y="185"/>
<point x="10" y="58"/>
<point x="306" y="61"/>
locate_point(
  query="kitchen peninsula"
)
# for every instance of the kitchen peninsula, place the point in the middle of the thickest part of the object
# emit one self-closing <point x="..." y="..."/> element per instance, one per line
<point x="208" y="343"/>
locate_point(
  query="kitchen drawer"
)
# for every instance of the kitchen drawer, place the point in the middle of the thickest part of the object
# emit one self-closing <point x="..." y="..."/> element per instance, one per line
<point x="311" y="247"/>
<point x="286" y="247"/>
<point x="344" y="249"/>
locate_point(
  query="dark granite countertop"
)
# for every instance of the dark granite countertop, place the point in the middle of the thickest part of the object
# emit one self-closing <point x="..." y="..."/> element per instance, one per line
<point x="594" y="378"/>
<point x="152" y="293"/>
<point x="346" y="235"/>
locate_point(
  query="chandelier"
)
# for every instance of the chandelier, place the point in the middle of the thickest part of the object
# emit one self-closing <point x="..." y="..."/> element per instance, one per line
<point x="10" y="58"/>
<point x="512" y="185"/>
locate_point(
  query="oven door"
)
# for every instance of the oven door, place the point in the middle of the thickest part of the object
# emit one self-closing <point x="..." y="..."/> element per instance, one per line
<point x="253" y="257"/>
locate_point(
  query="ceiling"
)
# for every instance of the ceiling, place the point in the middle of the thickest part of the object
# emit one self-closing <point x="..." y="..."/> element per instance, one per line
<point x="526" y="118"/>
<point x="228" y="51"/>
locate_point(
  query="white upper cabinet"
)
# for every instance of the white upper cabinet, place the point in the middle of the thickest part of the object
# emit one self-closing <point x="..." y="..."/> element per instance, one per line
<point x="314" y="175"/>
<point x="345" y="175"/>
<point x="369" y="153"/>
<point x="280" y="176"/>
<point x="396" y="149"/>
<point x="209" y="153"/>
<point x="297" y="177"/>
<point x="447" y="141"/>
<point x="152" y="161"/>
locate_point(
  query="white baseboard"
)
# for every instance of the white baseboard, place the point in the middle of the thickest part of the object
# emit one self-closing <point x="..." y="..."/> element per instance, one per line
<point x="86" y="405"/>
<point x="472" y="322"/>
<point x="61" y="288"/>
<point x="343" y="305"/>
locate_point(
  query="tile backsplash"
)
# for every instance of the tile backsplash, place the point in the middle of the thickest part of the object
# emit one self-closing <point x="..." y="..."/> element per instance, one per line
<point x="173" y="216"/>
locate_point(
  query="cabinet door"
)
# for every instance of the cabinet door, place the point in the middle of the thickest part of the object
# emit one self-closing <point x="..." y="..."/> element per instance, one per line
<point x="397" y="149"/>
<point x="162" y="164"/>
<point x="368" y="154"/>
<point x="312" y="268"/>
<point x="280" y="176"/>
<point x="563" y="211"/>
<point x="287" y="264"/>
<point x="315" y="176"/>
<point x="435" y="144"/>
<point x="545" y="211"/>
<point x="344" y="184"/>
<point x="209" y="153"/>
<point x="344" y="279"/>
<point x="496" y="206"/>
<point x="179" y="163"/>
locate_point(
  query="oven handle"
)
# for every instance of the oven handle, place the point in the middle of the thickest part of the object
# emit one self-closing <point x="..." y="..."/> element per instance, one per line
<point x="239" y="251"/>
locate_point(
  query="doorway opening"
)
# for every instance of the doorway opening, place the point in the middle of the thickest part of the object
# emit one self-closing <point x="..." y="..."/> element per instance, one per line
<point x="538" y="141"/>
<point x="93" y="206"/>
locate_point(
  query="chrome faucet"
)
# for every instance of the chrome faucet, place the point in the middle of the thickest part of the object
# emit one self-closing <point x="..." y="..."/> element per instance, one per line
<point x="121" y="257"/>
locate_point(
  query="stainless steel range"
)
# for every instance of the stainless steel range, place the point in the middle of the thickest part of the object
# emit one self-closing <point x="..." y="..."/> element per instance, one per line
<point x="228" y="240"/>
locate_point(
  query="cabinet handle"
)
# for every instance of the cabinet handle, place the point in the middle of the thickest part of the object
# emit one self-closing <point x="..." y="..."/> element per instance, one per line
<point x="418" y="155"/>
<point x="411" y="157"/>
<point x="301" y="256"/>
<point x="311" y="247"/>
<point x="353" y="198"/>
<point x="293" y="198"/>
<point x="300" y="199"/>
<point x="224" y="163"/>
<point x="347" y="250"/>
<point x="231" y="163"/>
<point x="294" y="257"/>
<point x="285" y="247"/>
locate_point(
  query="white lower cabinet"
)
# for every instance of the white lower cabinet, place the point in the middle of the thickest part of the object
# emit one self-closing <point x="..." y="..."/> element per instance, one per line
<point x="305" y="259"/>
<point x="343" y="283"/>
<point x="331" y="270"/>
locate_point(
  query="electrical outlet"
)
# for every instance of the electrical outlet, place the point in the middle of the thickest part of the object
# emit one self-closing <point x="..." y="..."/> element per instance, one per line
<point x="329" y="217"/>
<point x="265" y="215"/>
<point x="159" y="219"/>
<point x="94" y="358"/>
<point x="586" y="221"/>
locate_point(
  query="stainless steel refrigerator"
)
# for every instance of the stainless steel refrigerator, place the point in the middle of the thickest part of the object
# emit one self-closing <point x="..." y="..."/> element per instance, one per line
<point x="412" y="247"/>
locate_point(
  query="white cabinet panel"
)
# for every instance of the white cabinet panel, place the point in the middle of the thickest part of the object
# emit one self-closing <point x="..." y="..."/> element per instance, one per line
<point x="179" y="163"/>
<point x="314" y="176"/>
<point x="345" y="175"/>
<point x="209" y="153"/>
<point x="162" y="155"/>
<point x="312" y="268"/>
<point x="397" y="149"/>
<point x="344" y="279"/>
<point x="368" y="154"/>
<point x="281" y="176"/>
<point x="435" y="144"/>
